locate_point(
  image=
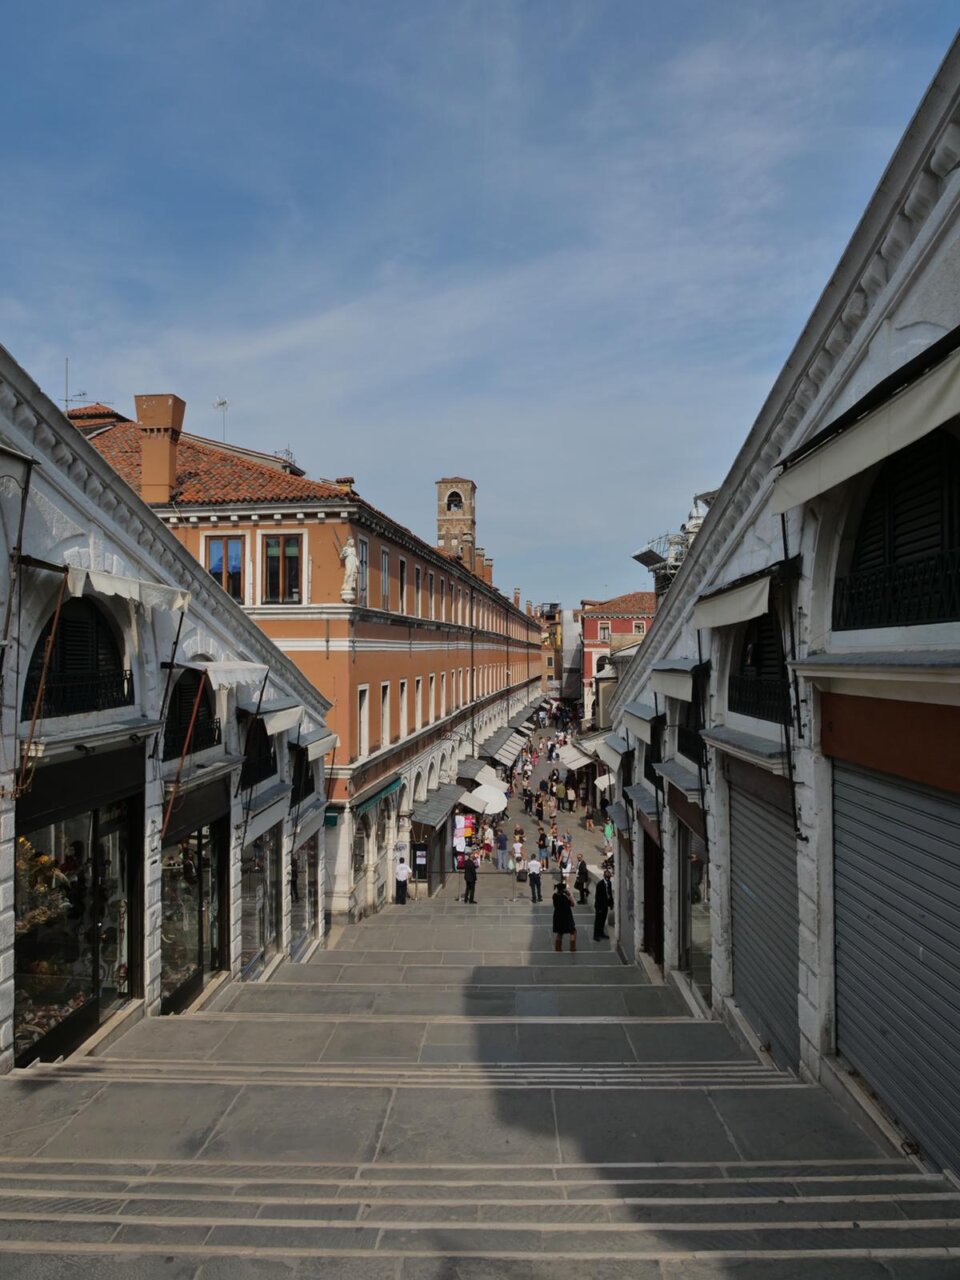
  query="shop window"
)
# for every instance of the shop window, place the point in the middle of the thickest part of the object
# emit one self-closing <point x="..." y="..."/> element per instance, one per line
<point x="431" y="591"/>
<point x="905" y="565"/>
<point x="304" y="894"/>
<point x="206" y="726"/>
<point x="691" y="721"/>
<point x="85" y="672"/>
<point x="192" y="882"/>
<point x="282" y="554"/>
<point x="758" y="680"/>
<point x="260" y="753"/>
<point x="361" y="838"/>
<point x="225" y="557"/>
<point x="304" y="776"/>
<point x="260" y="901"/>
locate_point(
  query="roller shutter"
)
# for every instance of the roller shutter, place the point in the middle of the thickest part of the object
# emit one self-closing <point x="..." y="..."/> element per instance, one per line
<point x="897" y="894"/>
<point x="763" y="866"/>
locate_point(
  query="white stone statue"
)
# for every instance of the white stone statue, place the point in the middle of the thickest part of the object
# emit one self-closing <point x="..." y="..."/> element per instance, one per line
<point x="351" y="569"/>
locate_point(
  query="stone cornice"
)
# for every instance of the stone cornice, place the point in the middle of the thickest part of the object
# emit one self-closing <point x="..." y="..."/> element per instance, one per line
<point x="855" y="299"/>
<point x="52" y="438"/>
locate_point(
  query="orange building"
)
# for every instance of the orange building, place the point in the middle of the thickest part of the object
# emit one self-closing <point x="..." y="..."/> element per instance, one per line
<point x="421" y="657"/>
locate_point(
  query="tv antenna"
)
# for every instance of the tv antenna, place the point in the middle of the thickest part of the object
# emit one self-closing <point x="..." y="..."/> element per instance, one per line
<point x="68" y="399"/>
<point x="221" y="405"/>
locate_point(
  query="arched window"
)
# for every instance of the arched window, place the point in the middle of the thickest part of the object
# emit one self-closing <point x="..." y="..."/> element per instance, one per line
<point x="905" y="565"/>
<point x="454" y="501"/>
<point x="206" y="726"/>
<point x="260" y="753"/>
<point x="758" y="679"/>
<point x="86" y="670"/>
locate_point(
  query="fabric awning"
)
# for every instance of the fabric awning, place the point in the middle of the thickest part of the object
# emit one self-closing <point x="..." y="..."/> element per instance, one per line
<point x="319" y="743"/>
<point x="488" y="778"/>
<point x="642" y="799"/>
<point x="510" y="749"/>
<point x="151" y="594"/>
<point x="679" y="776"/>
<point x="604" y="782"/>
<point x="227" y="675"/>
<point x="617" y="813"/>
<point x="381" y="793"/>
<point x="435" y="810"/>
<point x="611" y="749"/>
<point x="276" y="716"/>
<point x="910" y="414"/>
<point x="673" y="677"/>
<point x="574" y="759"/>
<point x="490" y="746"/>
<point x="637" y="717"/>
<point x="730" y="605"/>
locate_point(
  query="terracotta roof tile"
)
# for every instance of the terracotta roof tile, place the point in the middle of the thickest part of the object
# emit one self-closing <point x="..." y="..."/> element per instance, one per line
<point x="208" y="476"/>
<point x="641" y="603"/>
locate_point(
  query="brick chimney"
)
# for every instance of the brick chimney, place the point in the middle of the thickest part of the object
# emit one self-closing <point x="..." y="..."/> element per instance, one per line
<point x="478" y="559"/>
<point x="344" y="483"/>
<point x="160" y="419"/>
<point x="488" y="571"/>
<point x="516" y="597"/>
<point x="529" y="608"/>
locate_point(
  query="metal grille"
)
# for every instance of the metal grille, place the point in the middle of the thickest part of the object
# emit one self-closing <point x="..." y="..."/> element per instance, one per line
<point x="206" y="733"/>
<point x="70" y="695"/>
<point x="766" y="947"/>
<point x="900" y="595"/>
<point x="897" y="894"/>
<point x="759" y="698"/>
<point x="690" y="744"/>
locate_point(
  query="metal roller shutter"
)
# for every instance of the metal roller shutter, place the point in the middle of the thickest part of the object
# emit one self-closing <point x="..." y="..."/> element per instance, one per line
<point x="766" y="957"/>
<point x="897" y="904"/>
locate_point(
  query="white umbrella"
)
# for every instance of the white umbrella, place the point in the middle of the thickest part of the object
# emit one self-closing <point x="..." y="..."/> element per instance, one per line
<point x="488" y="777"/>
<point x="486" y="799"/>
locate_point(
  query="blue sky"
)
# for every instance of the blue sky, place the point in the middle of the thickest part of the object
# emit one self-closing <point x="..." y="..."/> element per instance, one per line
<point x="560" y="246"/>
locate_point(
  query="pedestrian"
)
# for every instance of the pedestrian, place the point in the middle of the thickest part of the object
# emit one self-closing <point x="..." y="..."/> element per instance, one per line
<point x="295" y="878"/>
<point x="538" y="808"/>
<point x="534" y="867"/>
<point x="469" y="878"/>
<point x="563" y="918"/>
<point x="583" y="879"/>
<point x="501" y="849"/>
<point x="527" y="799"/>
<point x="403" y="875"/>
<point x="602" y="904"/>
<point x="487" y="841"/>
<point x="552" y="806"/>
<point x="588" y="816"/>
<point x="565" y="864"/>
<point x="608" y="830"/>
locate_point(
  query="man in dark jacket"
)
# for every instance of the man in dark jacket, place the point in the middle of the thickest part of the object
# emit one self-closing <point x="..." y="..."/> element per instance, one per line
<point x="602" y="903"/>
<point x="469" y="879"/>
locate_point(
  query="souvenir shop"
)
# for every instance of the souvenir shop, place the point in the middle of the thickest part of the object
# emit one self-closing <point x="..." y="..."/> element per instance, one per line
<point x="466" y="838"/>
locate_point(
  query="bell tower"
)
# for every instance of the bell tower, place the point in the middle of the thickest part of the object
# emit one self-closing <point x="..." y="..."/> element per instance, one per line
<point x="457" y="517"/>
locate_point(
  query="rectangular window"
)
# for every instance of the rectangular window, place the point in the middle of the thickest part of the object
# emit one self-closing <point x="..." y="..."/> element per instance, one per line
<point x="417" y="586"/>
<point x="431" y="583"/>
<point x="432" y="705"/>
<point x="605" y="631"/>
<point x="363" y="574"/>
<point x="443" y="599"/>
<point x="384" y="579"/>
<point x="281" y="568"/>
<point x="384" y="715"/>
<point x="404" y="721"/>
<point x="418" y="702"/>
<point x="225" y="563"/>
<point x="363" y="722"/>
<point x="639" y="628"/>
<point x="402" y="586"/>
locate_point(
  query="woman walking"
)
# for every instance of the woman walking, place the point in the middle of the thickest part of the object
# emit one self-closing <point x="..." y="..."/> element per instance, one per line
<point x="583" y="879"/>
<point x="563" y="919"/>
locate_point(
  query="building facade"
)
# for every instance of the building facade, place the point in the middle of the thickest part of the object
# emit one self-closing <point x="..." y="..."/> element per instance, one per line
<point x="551" y="623"/>
<point x="420" y="656"/>
<point x="793" y="718"/>
<point x="608" y="626"/>
<point x="162" y="796"/>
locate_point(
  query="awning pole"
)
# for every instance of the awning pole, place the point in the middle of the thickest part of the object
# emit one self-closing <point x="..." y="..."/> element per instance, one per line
<point x="166" y="688"/>
<point x="183" y="755"/>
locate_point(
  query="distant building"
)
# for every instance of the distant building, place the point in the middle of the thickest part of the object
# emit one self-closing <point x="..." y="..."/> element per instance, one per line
<point x="551" y="636"/>
<point x="608" y="626"/>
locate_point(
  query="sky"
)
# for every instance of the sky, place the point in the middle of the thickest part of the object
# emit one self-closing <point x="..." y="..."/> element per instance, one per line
<point x="562" y="247"/>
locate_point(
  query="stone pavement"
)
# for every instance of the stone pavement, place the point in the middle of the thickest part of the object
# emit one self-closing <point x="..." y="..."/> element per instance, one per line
<point x="441" y="1096"/>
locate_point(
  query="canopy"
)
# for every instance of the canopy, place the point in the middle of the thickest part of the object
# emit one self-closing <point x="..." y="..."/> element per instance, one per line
<point x="510" y="749"/>
<point x="485" y="800"/>
<point x="733" y="604"/>
<point x="604" y="782"/>
<point x="673" y="677"/>
<point x="637" y="717"/>
<point x="574" y="759"/>
<point x="909" y="415"/>
<point x="611" y="749"/>
<point x="488" y="777"/>
<point x="319" y="743"/>
<point x="617" y="813"/>
<point x="226" y="675"/>
<point x="276" y="717"/>
<point x="150" y="594"/>
<point x="435" y="810"/>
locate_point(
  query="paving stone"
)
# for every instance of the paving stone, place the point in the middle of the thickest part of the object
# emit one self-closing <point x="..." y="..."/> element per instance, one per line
<point x="685" y="1042"/>
<point x="525" y="1269"/>
<point x="275" y="1042"/>
<point x="33" y="1108"/>
<point x="594" y="1042"/>
<point x="617" y="1125"/>
<point x="471" y="1125"/>
<point x="797" y="1124"/>
<point x="372" y="1042"/>
<point x="127" y="1266"/>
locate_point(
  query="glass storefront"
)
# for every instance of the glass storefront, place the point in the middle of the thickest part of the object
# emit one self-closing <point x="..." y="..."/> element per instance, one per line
<point x="191" y="894"/>
<point x="304" y="893"/>
<point x="260" y="900"/>
<point x="696" y="950"/>
<point x="76" y="933"/>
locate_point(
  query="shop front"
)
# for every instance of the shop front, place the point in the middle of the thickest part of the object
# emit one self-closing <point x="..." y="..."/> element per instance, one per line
<point x="193" y="893"/>
<point x="261" y="900"/>
<point x="77" y="894"/>
<point x="433" y="830"/>
<point x="304" y="894"/>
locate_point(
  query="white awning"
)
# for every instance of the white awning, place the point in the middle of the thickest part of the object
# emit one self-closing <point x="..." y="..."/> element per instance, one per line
<point x="610" y="750"/>
<point x="727" y="607"/>
<point x="604" y="782"/>
<point x="151" y="594"/>
<point x="227" y="675"/>
<point x="488" y="778"/>
<point x="910" y="415"/>
<point x="637" y="717"/>
<point x="485" y="799"/>
<point x="572" y="758"/>
<point x="673" y="677"/>
<point x="319" y="744"/>
<point x="276" y="717"/>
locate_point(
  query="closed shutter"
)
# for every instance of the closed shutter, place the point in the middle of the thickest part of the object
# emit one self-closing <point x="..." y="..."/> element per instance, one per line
<point x="897" y="895"/>
<point x="766" y="955"/>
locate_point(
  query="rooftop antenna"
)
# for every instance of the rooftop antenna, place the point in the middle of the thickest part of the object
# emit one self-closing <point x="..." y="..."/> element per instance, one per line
<point x="221" y="405"/>
<point x="68" y="399"/>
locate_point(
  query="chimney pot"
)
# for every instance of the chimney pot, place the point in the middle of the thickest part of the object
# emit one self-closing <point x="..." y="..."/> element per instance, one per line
<point x="160" y="412"/>
<point x="516" y="597"/>
<point x="345" y="483"/>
